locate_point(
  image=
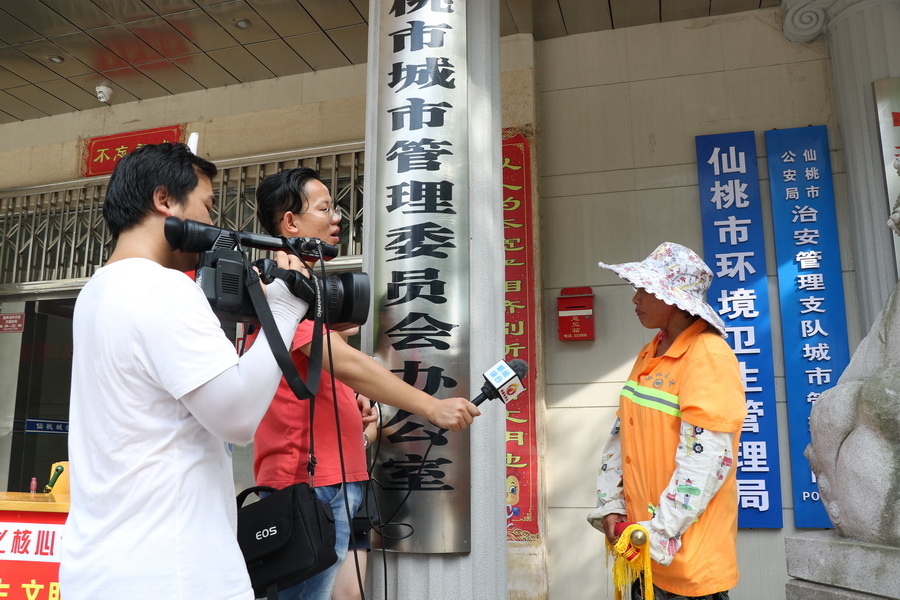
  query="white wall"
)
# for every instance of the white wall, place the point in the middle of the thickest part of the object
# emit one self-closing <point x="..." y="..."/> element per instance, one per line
<point x="618" y="112"/>
<point x="288" y="113"/>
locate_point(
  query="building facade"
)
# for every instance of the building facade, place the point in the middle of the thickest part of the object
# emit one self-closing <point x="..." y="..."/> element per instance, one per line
<point x="611" y="119"/>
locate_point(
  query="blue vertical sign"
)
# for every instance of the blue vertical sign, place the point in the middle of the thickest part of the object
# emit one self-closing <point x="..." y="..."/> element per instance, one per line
<point x="734" y="248"/>
<point x="813" y="318"/>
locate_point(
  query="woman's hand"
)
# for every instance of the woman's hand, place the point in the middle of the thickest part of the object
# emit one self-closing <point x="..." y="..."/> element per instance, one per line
<point x="609" y="525"/>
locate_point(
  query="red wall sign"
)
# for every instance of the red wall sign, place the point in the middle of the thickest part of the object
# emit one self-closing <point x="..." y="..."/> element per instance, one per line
<point x="29" y="554"/>
<point x="12" y="323"/>
<point x="521" y="429"/>
<point x="101" y="154"/>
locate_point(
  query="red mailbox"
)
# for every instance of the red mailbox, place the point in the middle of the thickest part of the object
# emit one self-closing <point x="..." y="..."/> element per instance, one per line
<point x="576" y="314"/>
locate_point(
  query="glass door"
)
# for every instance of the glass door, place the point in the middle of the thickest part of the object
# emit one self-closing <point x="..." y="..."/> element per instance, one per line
<point x="41" y="423"/>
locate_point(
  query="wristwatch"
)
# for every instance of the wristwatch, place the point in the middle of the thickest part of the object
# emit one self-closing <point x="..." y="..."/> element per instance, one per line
<point x="365" y="440"/>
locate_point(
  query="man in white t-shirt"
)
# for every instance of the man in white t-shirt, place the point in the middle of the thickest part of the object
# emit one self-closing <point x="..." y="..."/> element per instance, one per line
<point x="158" y="396"/>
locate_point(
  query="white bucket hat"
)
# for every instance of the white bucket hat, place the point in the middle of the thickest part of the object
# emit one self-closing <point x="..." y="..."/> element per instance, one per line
<point x="675" y="275"/>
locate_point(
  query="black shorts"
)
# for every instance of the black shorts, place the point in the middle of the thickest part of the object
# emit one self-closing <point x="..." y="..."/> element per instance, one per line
<point x="361" y="539"/>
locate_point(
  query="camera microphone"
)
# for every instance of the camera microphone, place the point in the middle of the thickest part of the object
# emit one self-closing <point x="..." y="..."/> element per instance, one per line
<point x="194" y="236"/>
<point x="309" y="247"/>
<point x="504" y="381"/>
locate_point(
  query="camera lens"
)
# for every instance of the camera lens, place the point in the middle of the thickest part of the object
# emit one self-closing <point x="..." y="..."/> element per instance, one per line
<point x="347" y="298"/>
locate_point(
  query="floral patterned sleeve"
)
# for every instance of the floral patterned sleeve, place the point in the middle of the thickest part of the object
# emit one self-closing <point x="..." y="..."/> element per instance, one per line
<point x="610" y="496"/>
<point x="702" y="462"/>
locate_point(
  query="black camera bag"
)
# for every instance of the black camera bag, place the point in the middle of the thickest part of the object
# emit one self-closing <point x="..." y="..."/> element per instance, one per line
<point x="287" y="536"/>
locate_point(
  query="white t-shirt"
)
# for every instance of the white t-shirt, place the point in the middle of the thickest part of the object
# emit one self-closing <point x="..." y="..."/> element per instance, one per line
<point x="153" y="510"/>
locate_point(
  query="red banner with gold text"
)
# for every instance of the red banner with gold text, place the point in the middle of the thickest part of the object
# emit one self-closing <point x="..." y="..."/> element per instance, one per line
<point x="521" y="429"/>
<point x="101" y="154"/>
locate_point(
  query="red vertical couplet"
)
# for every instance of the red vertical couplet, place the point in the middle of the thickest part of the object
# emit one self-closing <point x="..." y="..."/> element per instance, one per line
<point x="521" y="435"/>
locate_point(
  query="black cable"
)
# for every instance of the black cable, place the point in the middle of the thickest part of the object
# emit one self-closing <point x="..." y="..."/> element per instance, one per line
<point x="337" y="421"/>
<point x="365" y="501"/>
<point x="384" y="522"/>
<point x="374" y="460"/>
<point x="409" y="492"/>
<point x="371" y="467"/>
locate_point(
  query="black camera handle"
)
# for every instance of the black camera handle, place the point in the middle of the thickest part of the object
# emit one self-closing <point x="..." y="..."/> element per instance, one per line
<point x="303" y="391"/>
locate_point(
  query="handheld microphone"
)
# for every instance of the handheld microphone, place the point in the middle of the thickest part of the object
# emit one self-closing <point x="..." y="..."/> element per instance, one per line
<point x="504" y="381"/>
<point x="56" y="473"/>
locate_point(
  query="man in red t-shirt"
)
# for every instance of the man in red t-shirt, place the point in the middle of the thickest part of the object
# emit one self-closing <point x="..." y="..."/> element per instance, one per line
<point x="295" y="203"/>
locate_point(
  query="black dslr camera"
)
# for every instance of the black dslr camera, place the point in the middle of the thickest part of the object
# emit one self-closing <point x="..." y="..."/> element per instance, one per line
<point x="222" y="272"/>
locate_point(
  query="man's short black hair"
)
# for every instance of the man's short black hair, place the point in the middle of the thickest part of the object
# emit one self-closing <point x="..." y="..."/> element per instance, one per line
<point x="280" y="193"/>
<point x="129" y="194"/>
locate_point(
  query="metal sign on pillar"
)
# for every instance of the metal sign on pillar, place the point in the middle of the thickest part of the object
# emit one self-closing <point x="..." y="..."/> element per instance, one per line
<point x="420" y="278"/>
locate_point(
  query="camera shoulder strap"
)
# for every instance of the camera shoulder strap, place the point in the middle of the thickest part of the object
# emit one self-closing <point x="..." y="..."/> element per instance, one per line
<point x="303" y="391"/>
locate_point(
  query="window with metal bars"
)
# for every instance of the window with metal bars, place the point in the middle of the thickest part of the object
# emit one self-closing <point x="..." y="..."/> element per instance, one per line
<point x="57" y="232"/>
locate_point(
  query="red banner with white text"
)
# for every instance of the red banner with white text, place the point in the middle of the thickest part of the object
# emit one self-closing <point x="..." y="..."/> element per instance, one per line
<point x="29" y="554"/>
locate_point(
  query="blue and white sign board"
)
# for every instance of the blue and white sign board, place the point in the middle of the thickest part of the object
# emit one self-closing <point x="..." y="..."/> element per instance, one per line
<point x="47" y="426"/>
<point x="733" y="246"/>
<point x="811" y="291"/>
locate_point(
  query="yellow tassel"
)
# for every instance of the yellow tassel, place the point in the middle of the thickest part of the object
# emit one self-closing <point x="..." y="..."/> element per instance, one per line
<point x="630" y="562"/>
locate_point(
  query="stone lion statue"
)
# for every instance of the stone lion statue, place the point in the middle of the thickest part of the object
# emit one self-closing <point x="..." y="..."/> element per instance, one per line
<point x="855" y="427"/>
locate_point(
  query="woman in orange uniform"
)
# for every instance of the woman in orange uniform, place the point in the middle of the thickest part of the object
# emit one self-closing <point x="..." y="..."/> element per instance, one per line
<point x="668" y="464"/>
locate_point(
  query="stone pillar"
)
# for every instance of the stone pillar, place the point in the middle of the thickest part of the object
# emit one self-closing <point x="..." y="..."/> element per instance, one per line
<point x="865" y="47"/>
<point x="479" y="571"/>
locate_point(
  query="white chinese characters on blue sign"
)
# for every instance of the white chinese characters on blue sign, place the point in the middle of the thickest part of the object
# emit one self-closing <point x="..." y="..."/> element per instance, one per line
<point x="811" y="291"/>
<point x="733" y="246"/>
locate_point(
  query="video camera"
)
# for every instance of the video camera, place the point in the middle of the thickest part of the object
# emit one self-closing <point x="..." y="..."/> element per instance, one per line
<point x="222" y="272"/>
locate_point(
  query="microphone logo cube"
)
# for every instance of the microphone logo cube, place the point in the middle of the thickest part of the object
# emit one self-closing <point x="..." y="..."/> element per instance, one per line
<point x="499" y="375"/>
<point x="505" y="380"/>
<point x="511" y="390"/>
